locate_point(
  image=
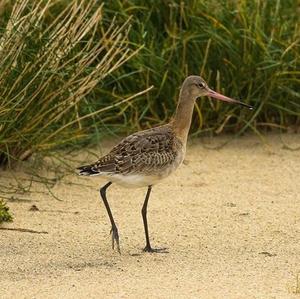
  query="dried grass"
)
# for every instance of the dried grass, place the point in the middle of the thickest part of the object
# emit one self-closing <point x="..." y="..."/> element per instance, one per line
<point x="48" y="69"/>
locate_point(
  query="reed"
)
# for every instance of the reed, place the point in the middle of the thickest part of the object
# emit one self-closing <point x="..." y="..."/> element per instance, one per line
<point x="49" y="64"/>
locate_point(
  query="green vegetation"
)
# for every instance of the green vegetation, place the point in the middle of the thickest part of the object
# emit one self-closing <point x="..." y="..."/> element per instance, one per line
<point x="246" y="49"/>
<point x="5" y="216"/>
<point x="69" y="68"/>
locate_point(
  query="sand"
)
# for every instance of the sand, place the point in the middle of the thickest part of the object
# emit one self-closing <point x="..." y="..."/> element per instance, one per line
<point x="229" y="217"/>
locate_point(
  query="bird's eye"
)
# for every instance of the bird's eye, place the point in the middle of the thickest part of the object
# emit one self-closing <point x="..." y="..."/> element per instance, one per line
<point x="200" y="85"/>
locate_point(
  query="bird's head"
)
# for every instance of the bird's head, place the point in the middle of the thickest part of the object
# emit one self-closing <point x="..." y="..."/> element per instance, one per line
<point x="197" y="87"/>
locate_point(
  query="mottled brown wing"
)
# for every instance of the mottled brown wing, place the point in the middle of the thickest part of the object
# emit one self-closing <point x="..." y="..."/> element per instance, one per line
<point x="147" y="151"/>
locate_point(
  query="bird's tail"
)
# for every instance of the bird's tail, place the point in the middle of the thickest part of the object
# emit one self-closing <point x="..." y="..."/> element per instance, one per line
<point x="88" y="170"/>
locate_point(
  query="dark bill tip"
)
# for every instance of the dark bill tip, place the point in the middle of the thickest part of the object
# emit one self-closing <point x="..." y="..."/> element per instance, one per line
<point x="246" y="105"/>
<point x="219" y="96"/>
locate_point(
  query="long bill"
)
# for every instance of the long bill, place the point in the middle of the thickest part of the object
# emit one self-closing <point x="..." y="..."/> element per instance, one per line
<point x="214" y="94"/>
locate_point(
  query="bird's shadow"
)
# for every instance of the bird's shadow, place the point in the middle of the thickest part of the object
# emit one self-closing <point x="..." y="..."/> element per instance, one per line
<point x="163" y="250"/>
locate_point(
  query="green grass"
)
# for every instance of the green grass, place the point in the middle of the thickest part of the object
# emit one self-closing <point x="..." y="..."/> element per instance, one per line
<point x="245" y="49"/>
<point x="68" y="69"/>
<point x="5" y="216"/>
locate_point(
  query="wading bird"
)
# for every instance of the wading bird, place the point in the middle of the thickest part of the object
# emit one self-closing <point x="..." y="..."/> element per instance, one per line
<point x="144" y="158"/>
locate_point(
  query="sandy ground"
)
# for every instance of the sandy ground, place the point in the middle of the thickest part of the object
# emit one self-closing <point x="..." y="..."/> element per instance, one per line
<point x="230" y="219"/>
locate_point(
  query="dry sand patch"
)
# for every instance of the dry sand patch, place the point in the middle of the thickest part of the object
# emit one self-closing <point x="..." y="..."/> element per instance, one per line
<point x="229" y="217"/>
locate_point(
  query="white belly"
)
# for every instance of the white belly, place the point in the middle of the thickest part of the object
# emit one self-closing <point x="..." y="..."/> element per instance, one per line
<point x="134" y="180"/>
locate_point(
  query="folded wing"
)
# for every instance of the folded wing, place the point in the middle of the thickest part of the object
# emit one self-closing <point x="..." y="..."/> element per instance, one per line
<point x="145" y="152"/>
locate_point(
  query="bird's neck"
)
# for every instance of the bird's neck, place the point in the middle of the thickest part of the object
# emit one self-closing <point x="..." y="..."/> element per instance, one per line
<point x="183" y="115"/>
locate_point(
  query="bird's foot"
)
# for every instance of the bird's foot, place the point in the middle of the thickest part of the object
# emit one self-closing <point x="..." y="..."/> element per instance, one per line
<point x="149" y="249"/>
<point x="115" y="238"/>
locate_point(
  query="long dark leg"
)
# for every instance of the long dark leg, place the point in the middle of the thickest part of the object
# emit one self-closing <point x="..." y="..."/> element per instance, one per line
<point x="144" y="214"/>
<point x="114" y="229"/>
<point x="148" y="247"/>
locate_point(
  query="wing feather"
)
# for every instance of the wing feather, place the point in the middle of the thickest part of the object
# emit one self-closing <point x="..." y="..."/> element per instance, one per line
<point x="146" y="151"/>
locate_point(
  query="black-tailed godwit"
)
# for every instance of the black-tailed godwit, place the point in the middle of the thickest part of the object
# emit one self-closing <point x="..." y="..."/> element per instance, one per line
<point x="145" y="158"/>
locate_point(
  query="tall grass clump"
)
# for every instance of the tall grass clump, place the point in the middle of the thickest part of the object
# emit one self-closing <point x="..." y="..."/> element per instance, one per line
<point x="245" y="49"/>
<point x="52" y="55"/>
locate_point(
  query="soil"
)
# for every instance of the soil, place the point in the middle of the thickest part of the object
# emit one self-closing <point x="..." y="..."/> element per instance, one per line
<point x="229" y="218"/>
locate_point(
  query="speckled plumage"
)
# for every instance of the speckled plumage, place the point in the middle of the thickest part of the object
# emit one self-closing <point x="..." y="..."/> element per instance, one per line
<point x="151" y="154"/>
